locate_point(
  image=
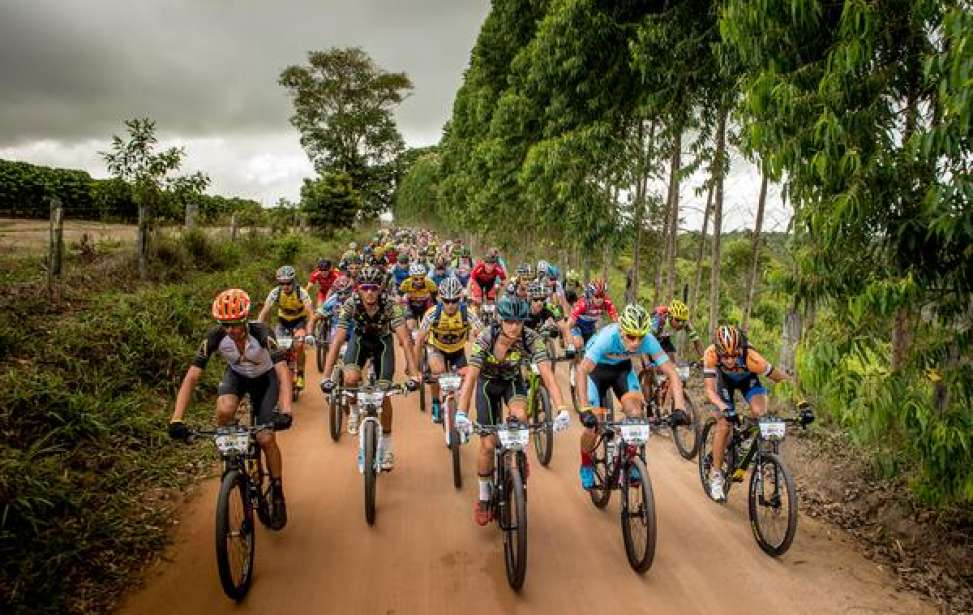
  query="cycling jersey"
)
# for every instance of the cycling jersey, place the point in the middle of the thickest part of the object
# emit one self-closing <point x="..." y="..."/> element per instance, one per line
<point x="486" y="279"/>
<point x="259" y="355"/>
<point x="449" y="333"/>
<point x="353" y="317"/>
<point x="290" y="306"/>
<point x="324" y="280"/>
<point x="438" y="277"/>
<point x="528" y="349"/>
<point x="462" y="267"/>
<point x="534" y="321"/>
<point x="747" y="364"/>
<point x="587" y="316"/>
<point x="418" y="292"/>
<point x="399" y="274"/>
<point x="607" y="348"/>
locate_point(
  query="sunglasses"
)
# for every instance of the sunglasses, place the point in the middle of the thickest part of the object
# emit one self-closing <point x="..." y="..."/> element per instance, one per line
<point x="729" y="356"/>
<point x="450" y="301"/>
<point x="634" y="338"/>
<point x="369" y="287"/>
<point x="227" y="324"/>
<point x="287" y="284"/>
<point x="537" y="299"/>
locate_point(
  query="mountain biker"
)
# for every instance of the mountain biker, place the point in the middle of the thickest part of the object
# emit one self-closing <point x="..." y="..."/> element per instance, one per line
<point x="400" y="270"/>
<point x="254" y="366"/>
<point x="462" y="266"/>
<point x="440" y="271"/>
<point x="587" y="313"/>
<point x="495" y="373"/>
<point x="324" y="276"/>
<point x="444" y="330"/>
<point x="293" y="309"/>
<point x="373" y="316"/>
<point x="607" y="364"/>
<point x="485" y="278"/>
<point x="340" y="292"/>
<point x="676" y="315"/>
<point x="731" y="364"/>
<point x="418" y="293"/>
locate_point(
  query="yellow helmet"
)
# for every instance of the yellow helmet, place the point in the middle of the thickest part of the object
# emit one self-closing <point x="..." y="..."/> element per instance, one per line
<point x="635" y="320"/>
<point x="678" y="310"/>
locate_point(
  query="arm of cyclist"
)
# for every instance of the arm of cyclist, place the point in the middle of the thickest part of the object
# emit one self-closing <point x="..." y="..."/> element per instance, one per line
<point x="340" y="335"/>
<point x="463" y="423"/>
<point x="402" y="332"/>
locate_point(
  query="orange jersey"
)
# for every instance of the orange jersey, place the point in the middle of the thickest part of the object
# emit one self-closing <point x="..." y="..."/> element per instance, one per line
<point x="750" y="362"/>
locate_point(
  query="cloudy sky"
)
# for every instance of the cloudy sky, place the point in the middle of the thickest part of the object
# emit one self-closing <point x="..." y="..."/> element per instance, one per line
<point x="206" y="72"/>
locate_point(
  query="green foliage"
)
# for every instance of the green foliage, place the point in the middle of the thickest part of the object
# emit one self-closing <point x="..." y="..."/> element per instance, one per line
<point x="331" y="202"/>
<point x="343" y="106"/>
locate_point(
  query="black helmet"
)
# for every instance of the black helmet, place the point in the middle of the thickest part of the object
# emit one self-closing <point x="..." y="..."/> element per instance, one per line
<point x="324" y="264"/>
<point x="512" y="308"/>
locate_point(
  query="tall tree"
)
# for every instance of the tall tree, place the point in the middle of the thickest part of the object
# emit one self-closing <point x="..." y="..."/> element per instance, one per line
<point x="755" y="252"/>
<point x="330" y="202"/>
<point x="720" y="166"/>
<point x="343" y="106"/>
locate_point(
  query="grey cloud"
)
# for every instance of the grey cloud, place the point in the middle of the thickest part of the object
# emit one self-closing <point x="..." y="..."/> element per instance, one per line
<point x="75" y="70"/>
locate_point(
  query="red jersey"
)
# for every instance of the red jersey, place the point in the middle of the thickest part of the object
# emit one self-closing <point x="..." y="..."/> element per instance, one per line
<point x="323" y="280"/>
<point x="587" y="316"/>
<point x="484" y="278"/>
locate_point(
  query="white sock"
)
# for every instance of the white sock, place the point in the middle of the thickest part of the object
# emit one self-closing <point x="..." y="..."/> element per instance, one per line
<point x="486" y="485"/>
<point x="387" y="442"/>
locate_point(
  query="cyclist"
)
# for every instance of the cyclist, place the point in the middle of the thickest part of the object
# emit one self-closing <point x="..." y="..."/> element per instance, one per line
<point x="676" y="314"/>
<point x="324" y="276"/>
<point x="485" y="278"/>
<point x="731" y="364"/>
<point x="572" y="286"/>
<point x="418" y="293"/>
<point x="607" y="364"/>
<point x="340" y="292"/>
<point x="254" y="366"/>
<point x="400" y="270"/>
<point x="440" y="271"/>
<point x="444" y="331"/>
<point x="463" y="265"/>
<point x="495" y="373"/>
<point x="373" y="317"/>
<point x="293" y="309"/>
<point x="587" y="313"/>
<point x="549" y="274"/>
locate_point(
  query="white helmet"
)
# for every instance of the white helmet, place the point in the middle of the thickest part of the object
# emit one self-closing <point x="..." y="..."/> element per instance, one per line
<point x="417" y="269"/>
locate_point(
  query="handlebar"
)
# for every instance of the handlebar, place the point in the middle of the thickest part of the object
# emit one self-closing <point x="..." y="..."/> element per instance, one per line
<point x="482" y="430"/>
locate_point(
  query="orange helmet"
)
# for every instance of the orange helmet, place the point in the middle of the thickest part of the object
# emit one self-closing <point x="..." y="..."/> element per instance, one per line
<point x="727" y="340"/>
<point x="231" y="305"/>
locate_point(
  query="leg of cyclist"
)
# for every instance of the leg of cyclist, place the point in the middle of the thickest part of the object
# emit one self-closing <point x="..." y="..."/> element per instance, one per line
<point x="437" y="365"/>
<point x="263" y="399"/>
<point x="725" y="388"/>
<point x="489" y="400"/>
<point x="299" y="332"/>
<point x="383" y="360"/>
<point x="354" y="361"/>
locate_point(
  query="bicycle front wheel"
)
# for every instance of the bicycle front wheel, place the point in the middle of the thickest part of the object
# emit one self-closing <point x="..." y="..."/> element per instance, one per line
<point x="543" y="435"/>
<point x="321" y="350"/>
<point x="454" y="443"/>
<point x="705" y="459"/>
<point x="514" y="523"/>
<point x="370" y="441"/>
<point x="773" y="505"/>
<point x="638" y="516"/>
<point x="234" y="536"/>
<point x="336" y="403"/>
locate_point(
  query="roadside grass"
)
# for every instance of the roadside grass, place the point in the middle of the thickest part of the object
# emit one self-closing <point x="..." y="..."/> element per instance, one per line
<point x="88" y="478"/>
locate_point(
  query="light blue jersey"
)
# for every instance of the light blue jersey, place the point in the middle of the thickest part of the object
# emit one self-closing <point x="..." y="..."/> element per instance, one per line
<point x="607" y="348"/>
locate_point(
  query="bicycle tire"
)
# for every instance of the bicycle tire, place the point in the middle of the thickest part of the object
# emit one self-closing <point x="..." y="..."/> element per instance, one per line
<point x="321" y="350"/>
<point x="368" y="472"/>
<point x="601" y="493"/>
<point x="686" y="437"/>
<point x="454" y="444"/>
<point x="543" y="436"/>
<point x="335" y="406"/>
<point x="515" y="530"/>
<point x="705" y="459"/>
<point x="236" y="580"/>
<point x="422" y="385"/>
<point x="781" y="472"/>
<point x="639" y="557"/>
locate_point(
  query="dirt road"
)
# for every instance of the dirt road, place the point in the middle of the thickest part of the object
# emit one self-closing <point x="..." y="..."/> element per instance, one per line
<point x="426" y="555"/>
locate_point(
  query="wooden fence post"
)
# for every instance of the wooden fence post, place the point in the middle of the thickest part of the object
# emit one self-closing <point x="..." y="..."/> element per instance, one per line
<point x="234" y="226"/>
<point x="56" y="242"/>
<point x="191" y="209"/>
<point x="142" y="241"/>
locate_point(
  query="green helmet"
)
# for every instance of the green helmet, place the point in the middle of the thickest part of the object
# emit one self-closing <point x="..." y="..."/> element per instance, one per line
<point x="635" y="320"/>
<point x="512" y="308"/>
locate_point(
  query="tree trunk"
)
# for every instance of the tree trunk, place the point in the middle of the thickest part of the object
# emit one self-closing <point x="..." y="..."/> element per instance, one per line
<point x="694" y="299"/>
<point x="714" y="278"/>
<point x="632" y="288"/>
<point x="901" y="338"/>
<point x="789" y="339"/>
<point x="673" y="210"/>
<point x="755" y="253"/>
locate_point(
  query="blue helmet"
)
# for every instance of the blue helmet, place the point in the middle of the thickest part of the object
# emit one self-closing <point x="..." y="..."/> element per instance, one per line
<point x="512" y="308"/>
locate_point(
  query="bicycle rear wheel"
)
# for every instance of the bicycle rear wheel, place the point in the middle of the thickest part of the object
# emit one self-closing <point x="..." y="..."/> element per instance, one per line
<point x="514" y="525"/>
<point x="686" y="437"/>
<point x="705" y="459"/>
<point x="601" y="493"/>
<point x="543" y="436"/>
<point x="638" y="516"/>
<point x="370" y="439"/>
<point x="773" y="505"/>
<point x="234" y="536"/>
<point x="321" y="350"/>
<point x="422" y="387"/>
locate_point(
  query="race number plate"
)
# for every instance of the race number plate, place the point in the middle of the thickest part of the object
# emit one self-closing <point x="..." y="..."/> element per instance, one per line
<point x="450" y="383"/>
<point x="515" y="439"/>
<point x="285" y="343"/>
<point x="635" y="433"/>
<point x="373" y="398"/>
<point x="772" y="430"/>
<point x="228" y="443"/>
